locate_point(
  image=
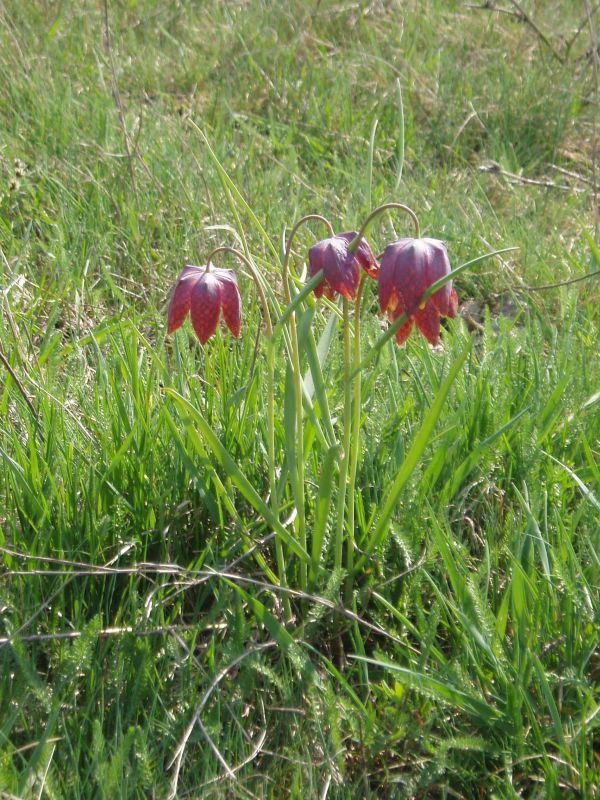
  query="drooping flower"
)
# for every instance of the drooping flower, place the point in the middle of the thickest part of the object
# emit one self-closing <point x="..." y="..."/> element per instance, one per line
<point x="408" y="268"/>
<point x="341" y="268"/>
<point x="205" y="294"/>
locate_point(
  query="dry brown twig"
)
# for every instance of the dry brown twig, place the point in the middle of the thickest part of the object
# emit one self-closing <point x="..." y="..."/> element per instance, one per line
<point x="579" y="27"/>
<point x="176" y="761"/>
<point x="513" y="178"/>
<point x="187" y="579"/>
<point x="568" y="282"/>
<point x="519" y="13"/>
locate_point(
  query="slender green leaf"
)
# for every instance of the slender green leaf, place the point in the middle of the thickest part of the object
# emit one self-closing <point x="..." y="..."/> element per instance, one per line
<point x="377" y="536"/>
<point x="237" y="476"/>
<point x="466" y="467"/>
<point x="223" y="174"/>
<point x="400" y="104"/>
<point x="323" y="501"/>
<point x="434" y="687"/>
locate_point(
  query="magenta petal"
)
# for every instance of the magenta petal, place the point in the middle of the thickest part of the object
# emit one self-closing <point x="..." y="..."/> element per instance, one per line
<point x="231" y="304"/>
<point x="453" y="306"/>
<point x="343" y="277"/>
<point x="438" y="266"/>
<point x="408" y="268"/>
<point x="206" y="306"/>
<point x="403" y="265"/>
<point x="181" y="297"/>
<point x="316" y="264"/>
<point x="340" y="268"/>
<point x="413" y="278"/>
<point x="387" y="283"/>
<point x="442" y="300"/>
<point x="403" y="331"/>
<point x="428" y="322"/>
<point x="319" y="289"/>
<point x="315" y="258"/>
<point x="363" y="253"/>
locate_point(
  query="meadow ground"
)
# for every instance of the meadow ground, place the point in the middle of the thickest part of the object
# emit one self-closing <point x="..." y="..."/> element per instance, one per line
<point x="237" y="569"/>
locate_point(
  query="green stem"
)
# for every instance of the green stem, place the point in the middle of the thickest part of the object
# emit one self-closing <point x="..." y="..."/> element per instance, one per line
<point x="355" y="379"/>
<point x="346" y="443"/>
<point x="352" y="247"/>
<point x="270" y="409"/>
<point x="288" y="249"/>
<point x="299" y="449"/>
<point x="295" y="362"/>
<point x="272" y="474"/>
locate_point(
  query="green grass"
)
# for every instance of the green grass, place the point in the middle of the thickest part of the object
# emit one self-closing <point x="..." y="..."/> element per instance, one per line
<point x="465" y="661"/>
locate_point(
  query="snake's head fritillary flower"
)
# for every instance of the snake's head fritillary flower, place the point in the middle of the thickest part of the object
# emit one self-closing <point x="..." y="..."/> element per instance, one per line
<point x="408" y="268"/>
<point x="341" y="268"/>
<point x="205" y="294"/>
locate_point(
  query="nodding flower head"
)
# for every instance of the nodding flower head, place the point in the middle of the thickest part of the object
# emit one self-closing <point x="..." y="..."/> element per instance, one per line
<point x="205" y="293"/>
<point x="408" y="268"/>
<point x="341" y="268"/>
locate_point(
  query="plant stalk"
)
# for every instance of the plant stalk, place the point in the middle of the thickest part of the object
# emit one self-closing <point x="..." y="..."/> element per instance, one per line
<point x="270" y="409"/>
<point x="295" y="363"/>
<point x="355" y="379"/>
<point x="352" y="247"/>
<point x="346" y="442"/>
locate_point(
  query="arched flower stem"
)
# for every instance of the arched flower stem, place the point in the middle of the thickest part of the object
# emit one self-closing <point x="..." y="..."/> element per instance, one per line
<point x="298" y="478"/>
<point x="288" y="249"/>
<point x="270" y="404"/>
<point x="352" y="247"/>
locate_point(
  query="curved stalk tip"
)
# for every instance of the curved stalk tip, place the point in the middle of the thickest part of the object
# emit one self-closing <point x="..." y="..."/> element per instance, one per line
<point x="288" y="249"/>
<point x="352" y="247"/>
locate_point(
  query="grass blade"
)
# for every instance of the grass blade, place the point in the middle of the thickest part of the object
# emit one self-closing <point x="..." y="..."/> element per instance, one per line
<point x="236" y="474"/>
<point x="323" y="501"/>
<point x="377" y="536"/>
<point x="438" y="689"/>
<point x="400" y="134"/>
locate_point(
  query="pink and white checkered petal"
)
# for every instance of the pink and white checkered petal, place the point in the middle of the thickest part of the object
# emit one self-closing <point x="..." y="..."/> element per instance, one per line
<point x="340" y="268"/>
<point x="343" y="277"/>
<point x="428" y="322"/>
<point x="403" y="331"/>
<point x="206" y="306"/>
<point x="222" y="274"/>
<point x="231" y="303"/>
<point x="363" y="254"/>
<point x="453" y="306"/>
<point x="181" y="297"/>
<point x="392" y="277"/>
